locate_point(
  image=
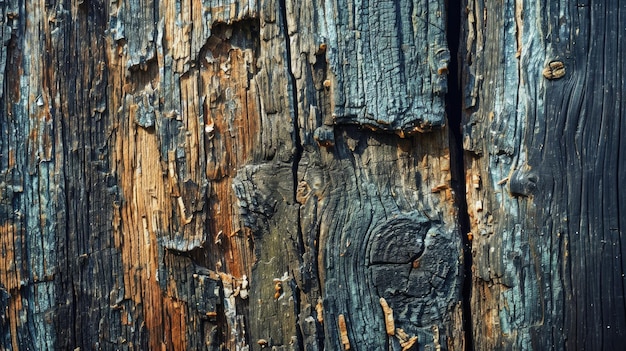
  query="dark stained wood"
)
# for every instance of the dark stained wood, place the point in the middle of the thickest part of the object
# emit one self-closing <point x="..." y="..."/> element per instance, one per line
<point x="543" y="135"/>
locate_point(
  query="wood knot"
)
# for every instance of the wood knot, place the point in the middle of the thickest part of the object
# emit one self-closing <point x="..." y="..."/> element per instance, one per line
<point x="554" y="70"/>
<point x="399" y="239"/>
<point x="523" y="182"/>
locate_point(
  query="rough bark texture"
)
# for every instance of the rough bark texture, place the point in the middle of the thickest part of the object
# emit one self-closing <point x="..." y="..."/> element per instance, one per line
<point x="277" y="174"/>
<point x="226" y="175"/>
<point x="544" y="135"/>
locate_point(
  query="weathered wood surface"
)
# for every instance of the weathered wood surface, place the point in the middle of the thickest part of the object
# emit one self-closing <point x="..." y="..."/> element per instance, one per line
<point x="388" y="61"/>
<point x="204" y="175"/>
<point x="278" y="174"/>
<point x="543" y="137"/>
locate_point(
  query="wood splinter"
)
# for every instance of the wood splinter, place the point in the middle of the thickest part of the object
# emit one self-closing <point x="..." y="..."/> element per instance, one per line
<point x="319" y="308"/>
<point x="439" y="188"/>
<point x="278" y="288"/>
<point x="407" y="345"/>
<point x="406" y="342"/>
<point x="503" y="180"/>
<point x="343" y="332"/>
<point x="435" y="330"/>
<point x="389" y="323"/>
<point x="321" y="49"/>
<point x="183" y="211"/>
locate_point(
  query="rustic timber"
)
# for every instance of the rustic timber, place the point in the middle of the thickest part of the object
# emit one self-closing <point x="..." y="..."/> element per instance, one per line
<point x="225" y="175"/>
<point x="181" y="176"/>
<point x="279" y="174"/>
<point x="543" y="134"/>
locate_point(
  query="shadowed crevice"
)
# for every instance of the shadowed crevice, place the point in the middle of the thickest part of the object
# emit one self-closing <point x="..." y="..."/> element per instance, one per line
<point x="297" y="156"/>
<point x="454" y="112"/>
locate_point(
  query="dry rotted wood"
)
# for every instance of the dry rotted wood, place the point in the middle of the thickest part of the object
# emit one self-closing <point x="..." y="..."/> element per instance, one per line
<point x="253" y="174"/>
<point x="226" y="175"/>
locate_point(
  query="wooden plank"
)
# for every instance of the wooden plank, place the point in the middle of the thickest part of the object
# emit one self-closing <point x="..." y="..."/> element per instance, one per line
<point x="542" y="128"/>
<point x="226" y="175"/>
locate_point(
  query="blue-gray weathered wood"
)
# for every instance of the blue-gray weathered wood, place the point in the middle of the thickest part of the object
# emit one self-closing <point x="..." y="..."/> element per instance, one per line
<point x="544" y="165"/>
<point x="387" y="61"/>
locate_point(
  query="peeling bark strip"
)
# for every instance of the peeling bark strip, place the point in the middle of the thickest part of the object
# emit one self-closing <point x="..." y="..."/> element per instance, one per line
<point x="343" y="332"/>
<point x="389" y="323"/>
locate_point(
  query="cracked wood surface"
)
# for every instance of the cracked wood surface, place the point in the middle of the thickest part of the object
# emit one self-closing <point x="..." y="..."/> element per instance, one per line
<point x="543" y="133"/>
<point x="236" y="175"/>
<point x="218" y="175"/>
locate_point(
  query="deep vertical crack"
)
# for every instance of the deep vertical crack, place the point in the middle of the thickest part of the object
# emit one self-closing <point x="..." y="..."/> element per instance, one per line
<point x="297" y="156"/>
<point x="293" y="97"/>
<point x="454" y="111"/>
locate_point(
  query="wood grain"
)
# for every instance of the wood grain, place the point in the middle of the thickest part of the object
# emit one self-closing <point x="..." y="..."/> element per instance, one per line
<point x="543" y="129"/>
<point x="259" y="174"/>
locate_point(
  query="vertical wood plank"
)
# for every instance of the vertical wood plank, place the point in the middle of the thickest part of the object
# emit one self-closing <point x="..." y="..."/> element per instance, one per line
<point x="542" y="133"/>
